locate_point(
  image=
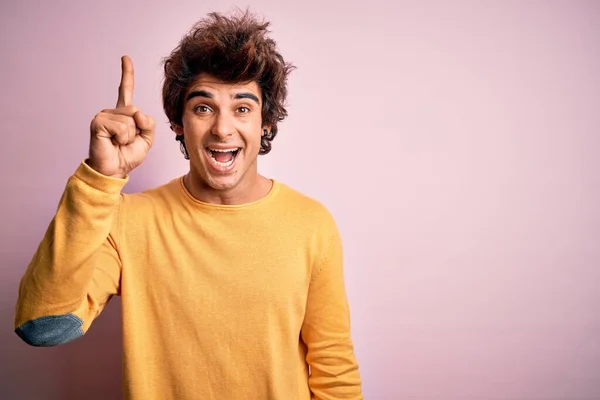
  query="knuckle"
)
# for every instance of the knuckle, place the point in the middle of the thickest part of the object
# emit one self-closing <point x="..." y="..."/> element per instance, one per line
<point x="122" y="127"/>
<point x="130" y="123"/>
<point x="126" y="110"/>
<point x="96" y="122"/>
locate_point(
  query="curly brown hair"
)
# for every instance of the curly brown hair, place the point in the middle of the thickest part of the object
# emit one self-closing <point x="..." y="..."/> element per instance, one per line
<point x="234" y="49"/>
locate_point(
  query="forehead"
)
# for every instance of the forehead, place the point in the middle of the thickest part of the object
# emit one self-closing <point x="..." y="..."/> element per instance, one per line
<point x="219" y="87"/>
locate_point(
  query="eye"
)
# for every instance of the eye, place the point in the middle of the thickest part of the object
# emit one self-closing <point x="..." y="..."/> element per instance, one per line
<point x="200" y="108"/>
<point x="243" y="110"/>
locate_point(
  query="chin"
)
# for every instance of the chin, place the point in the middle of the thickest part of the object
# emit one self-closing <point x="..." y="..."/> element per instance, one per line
<point x="221" y="183"/>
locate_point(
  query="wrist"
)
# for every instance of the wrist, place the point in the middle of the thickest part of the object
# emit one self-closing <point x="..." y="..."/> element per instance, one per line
<point x="90" y="164"/>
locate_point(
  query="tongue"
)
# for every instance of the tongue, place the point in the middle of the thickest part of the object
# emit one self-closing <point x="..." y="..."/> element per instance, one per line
<point x="222" y="157"/>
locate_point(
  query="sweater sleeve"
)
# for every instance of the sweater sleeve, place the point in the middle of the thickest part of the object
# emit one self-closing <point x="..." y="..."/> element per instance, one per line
<point x="326" y="332"/>
<point x="76" y="268"/>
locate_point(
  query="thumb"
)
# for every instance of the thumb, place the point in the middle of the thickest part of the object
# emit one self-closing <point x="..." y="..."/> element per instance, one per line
<point x="144" y="122"/>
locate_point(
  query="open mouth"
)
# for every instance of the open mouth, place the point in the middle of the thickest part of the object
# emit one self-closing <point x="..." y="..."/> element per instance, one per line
<point x="223" y="157"/>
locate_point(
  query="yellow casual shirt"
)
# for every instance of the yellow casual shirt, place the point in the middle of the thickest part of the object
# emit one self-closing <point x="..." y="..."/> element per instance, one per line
<point x="219" y="302"/>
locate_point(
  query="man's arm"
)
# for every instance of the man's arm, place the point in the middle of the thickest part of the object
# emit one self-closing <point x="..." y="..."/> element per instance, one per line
<point x="326" y="331"/>
<point x="76" y="268"/>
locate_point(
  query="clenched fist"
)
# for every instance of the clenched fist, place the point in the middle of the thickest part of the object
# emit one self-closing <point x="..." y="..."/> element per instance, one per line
<point x="120" y="137"/>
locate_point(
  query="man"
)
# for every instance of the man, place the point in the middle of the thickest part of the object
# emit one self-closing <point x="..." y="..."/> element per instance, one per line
<point x="231" y="283"/>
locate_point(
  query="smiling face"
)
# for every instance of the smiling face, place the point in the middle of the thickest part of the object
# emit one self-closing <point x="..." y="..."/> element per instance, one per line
<point x="222" y="127"/>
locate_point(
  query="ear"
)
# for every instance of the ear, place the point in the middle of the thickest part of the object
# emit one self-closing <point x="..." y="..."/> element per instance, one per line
<point x="267" y="128"/>
<point x="177" y="129"/>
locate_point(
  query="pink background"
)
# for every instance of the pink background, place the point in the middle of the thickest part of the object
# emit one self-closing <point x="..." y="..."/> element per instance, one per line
<point x="455" y="142"/>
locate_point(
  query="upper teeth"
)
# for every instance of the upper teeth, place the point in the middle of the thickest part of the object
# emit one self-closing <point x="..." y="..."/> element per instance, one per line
<point x="223" y="150"/>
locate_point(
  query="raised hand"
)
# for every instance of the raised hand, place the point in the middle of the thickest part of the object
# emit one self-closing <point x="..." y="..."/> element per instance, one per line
<point x="120" y="137"/>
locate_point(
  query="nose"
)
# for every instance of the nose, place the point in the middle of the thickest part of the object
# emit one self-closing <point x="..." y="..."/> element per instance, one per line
<point x="223" y="126"/>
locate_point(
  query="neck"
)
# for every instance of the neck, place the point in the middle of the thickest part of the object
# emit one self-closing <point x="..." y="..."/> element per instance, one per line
<point x="248" y="190"/>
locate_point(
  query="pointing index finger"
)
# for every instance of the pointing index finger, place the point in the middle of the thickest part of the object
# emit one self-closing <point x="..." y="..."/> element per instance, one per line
<point x="126" y="86"/>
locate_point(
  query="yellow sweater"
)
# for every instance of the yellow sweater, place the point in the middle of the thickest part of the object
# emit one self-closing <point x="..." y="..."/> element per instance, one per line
<point x="219" y="302"/>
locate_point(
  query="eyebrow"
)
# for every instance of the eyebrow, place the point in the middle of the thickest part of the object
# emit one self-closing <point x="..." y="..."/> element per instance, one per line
<point x="208" y="95"/>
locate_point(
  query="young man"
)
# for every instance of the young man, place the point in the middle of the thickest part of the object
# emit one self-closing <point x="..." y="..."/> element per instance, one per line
<point x="231" y="283"/>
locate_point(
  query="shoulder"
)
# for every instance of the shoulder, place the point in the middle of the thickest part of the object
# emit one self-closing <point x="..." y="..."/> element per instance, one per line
<point x="152" y="198"/>
<point x="307" y="208"/>
<point x="313" y="220"/>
